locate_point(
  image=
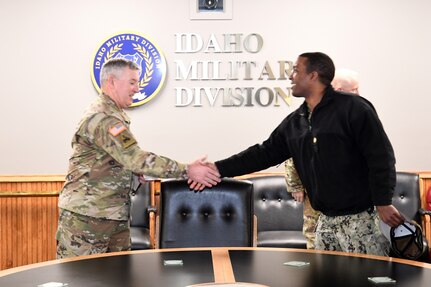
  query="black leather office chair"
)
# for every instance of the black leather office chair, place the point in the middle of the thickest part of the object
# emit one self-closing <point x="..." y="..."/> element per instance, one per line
<point x="221" y="216"/>
<point x="141" y="210"/>
<point x="407" y="200"/>
<point x="279" y="216"/>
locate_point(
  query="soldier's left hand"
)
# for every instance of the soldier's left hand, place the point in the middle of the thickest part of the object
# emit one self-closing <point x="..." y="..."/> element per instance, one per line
<point x="298" y="196"/>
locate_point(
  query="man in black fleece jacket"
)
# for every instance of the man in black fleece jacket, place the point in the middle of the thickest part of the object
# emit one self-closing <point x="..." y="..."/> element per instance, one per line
<point x="343" y="157"/>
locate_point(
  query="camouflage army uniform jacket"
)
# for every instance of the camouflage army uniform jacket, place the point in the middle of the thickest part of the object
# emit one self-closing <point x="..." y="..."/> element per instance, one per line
<point x="293" y="181"/>
<point x="105" y="154"/>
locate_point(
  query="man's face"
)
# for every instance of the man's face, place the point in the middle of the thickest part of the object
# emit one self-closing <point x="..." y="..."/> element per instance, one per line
<point x="347" y="85"/>
<point x="300" y="78"/>
<point x="125" y="86"/>
<point x="353" y="88"/>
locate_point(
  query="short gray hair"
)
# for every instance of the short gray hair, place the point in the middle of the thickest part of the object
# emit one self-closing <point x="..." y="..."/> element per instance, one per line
<point x="114" y="66"/>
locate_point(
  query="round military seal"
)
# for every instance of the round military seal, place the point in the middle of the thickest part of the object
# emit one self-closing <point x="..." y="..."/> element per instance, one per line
<point x="142" y="51"/>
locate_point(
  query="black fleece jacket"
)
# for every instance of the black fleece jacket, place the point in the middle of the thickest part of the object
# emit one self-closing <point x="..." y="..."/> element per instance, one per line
<point x="343" y="155"/>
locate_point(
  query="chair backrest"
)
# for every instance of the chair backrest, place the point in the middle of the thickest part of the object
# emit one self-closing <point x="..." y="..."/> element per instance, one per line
<point x="274" y="207"/>
<point x="141" y="229"/>
<point x="406" y="196"/>
<point x="407" y="200"/>
<point x="140" y="201"/>
<point x="221" y="216"/>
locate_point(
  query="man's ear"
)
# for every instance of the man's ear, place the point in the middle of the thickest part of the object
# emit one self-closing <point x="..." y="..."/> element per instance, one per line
<point x="111" y="81"/>
<point x="314" y="75"/>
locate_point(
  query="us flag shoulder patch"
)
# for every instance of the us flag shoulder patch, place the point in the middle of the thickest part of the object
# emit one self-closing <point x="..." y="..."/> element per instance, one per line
<point x="117" y="129"/>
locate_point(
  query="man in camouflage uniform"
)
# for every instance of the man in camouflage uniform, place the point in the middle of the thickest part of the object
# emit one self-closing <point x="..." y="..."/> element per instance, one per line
<point x="344" y="80"/>
<point x="95" y="201"/>
<point x="311" y="216"/>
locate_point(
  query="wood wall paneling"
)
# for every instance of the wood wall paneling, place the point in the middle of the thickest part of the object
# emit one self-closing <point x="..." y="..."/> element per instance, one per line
<point x="28" y="219"/>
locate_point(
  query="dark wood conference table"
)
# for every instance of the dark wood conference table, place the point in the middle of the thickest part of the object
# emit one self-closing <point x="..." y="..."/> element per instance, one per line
<point x="263" y="266"/>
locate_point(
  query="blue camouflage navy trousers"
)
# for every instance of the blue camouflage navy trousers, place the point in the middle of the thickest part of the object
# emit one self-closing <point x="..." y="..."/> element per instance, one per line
<point x="356" y="233"/>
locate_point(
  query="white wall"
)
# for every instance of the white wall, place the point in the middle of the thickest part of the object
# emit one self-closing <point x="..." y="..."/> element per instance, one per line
<point x="47" y="48"/>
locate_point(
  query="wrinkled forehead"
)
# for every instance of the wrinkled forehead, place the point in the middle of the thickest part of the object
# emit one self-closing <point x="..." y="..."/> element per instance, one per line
<point x="129" y="73"/>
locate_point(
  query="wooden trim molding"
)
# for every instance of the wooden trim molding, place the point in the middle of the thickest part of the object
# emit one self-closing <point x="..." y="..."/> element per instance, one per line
<point x="32" y="178"/>
<point x="29" y="193"/>
<point x="30" y="185"/>
<point x="223" y="271"/>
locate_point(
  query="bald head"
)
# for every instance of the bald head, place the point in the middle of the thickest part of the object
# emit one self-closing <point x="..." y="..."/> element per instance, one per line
<point x="346" y="80"/>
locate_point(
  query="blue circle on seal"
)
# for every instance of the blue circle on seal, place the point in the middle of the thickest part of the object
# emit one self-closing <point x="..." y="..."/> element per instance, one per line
<point x="139" y="49"/>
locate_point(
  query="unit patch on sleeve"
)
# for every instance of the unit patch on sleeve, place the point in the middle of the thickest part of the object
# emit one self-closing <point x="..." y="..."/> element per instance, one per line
<point x="127" y="140"/>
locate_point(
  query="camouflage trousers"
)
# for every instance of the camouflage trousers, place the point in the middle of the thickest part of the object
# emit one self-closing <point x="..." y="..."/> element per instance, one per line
<point x="83" y="235"/>
<point x="356" y="233"/>
<point x="310" y="222"/>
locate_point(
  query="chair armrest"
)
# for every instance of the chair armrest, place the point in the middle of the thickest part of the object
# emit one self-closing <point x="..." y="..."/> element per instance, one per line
<point x="254" y="230"/>
<point x="424" y="212"/>
<point x="157" y="234"/>
<point x="152" y="211"/>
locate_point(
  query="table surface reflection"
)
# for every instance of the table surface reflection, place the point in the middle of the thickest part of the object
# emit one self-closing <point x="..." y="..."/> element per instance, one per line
<point x="263" y="266"/>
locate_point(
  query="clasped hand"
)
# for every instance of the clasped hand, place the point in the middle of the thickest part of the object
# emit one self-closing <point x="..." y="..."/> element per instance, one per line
<point x="202" y="174"/>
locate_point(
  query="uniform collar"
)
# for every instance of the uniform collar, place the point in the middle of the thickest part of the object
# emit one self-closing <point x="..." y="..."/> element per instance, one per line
<point x="327" y="98"/>
<point x="110" y="102"/>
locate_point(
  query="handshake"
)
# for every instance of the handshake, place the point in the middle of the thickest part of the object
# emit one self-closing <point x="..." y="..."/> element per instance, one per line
<point x="201" y="174"/>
